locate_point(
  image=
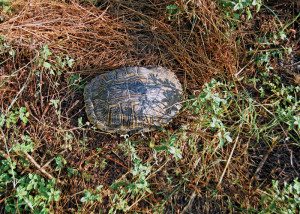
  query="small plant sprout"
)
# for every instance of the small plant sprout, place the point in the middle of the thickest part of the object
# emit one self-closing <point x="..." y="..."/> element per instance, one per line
<point x="281" y="200"/>
<point x="135" y="187"/>
<point x="6" y="6"/>
<point x="13" y="117"/>
<point x="75" y="82"/>
<point x="92" y="196"/>
<point x="212" y="105"/>
<point x="26" y="146"/>
<point x="170" y="146"/>
<point x="56" y="104"/>
<point x="239" y="7"/>
<point x="60" y="162"/>
<point x="54" y="66"/>
<point x="172" y="11"/>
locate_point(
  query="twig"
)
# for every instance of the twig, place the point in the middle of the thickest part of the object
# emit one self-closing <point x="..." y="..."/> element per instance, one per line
<point x="115" y="161"/>
<point x="243" y="68"/>
<point x="137" y="201"/>
<point x="47" y="164"/>
<point x="291" y="65"/>
<point x="262" y="162"/>
<point x="188" y="207"/>
<point x="228" y="161"/>
<point x="30" y="158"/>
<point x="15" y="72"/>
<point x="19" y="93"/>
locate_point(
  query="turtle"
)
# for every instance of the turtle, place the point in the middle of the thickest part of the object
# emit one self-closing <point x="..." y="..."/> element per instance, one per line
<point x="133" y="99"/>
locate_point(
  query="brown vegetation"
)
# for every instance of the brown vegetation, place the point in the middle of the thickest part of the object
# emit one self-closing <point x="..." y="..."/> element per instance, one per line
<point x="115" y="34"/>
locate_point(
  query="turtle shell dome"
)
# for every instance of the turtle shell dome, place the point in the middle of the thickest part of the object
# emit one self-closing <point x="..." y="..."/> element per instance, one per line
<point x="133" y="99"/>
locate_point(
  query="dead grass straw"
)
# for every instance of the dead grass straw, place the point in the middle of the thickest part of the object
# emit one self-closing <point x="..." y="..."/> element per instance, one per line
<point x="122" y="33"/>
<point x="88" y="35"/>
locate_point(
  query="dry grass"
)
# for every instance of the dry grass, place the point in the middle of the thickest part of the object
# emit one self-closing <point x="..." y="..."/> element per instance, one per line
<point x="121" y="33"/>
<point x="89" y="35"/>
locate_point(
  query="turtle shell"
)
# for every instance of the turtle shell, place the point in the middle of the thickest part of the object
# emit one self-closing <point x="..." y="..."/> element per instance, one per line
<point x="133" y="99"/>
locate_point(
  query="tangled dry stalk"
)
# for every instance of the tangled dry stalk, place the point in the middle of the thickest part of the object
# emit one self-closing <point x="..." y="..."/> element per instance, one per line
<point x="86" y="34"/>
<point x="120" y="33"/>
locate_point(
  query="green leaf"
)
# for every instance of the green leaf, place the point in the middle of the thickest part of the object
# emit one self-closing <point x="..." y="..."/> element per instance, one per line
<point x="47" y="65"/>
<point x="238" y="6"/>
<point x="249" y="14"/>
<point x="23" y="115"/>
<point x="282" y="35"/>
<point x="236" y="16"/>
<point x="172" y="9"/>
<point x="161" y="148"/>
<point x="2" y="120"/>
<point x="56" y="195"/>
<point x="79" y="121"/>
<point x="297" y="121"/>
<point x="45" y="53"/>
<point x="116" y="185"/>
<point x="176" y="152"/>
<point x="227" y="137"/>
<point x="60" y="162"/>
<point x="54" y="103"/>
<point x="70" y="62"/>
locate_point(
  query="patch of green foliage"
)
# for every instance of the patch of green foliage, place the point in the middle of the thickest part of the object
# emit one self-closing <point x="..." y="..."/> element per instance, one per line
<point x="281" y="200"/>
<point x="55" y="67"/>
<point x="170" y="146"/>
<point x="134" y="188"/>
<point x="13" y="117"/>
<point x="212" y="104"/>
<point x="172" y="11"/>
<point x="271" y="117"/>
<point x="234" y="9"/>
<point x="91" y="196"/>
<point x="283" y="98"/>
<point x="24" y="192"/>
<point x="75" y="82"/>
<point x="31" y="192"/>
<point x="6" y="5"/>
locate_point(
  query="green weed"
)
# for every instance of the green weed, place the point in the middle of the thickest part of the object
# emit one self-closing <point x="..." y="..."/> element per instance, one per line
<point x="135" y="188"/>
<point x="60" y="162"/>
<point x="281" y="200"/>
<point x="169" y="145"/>
<point x="75" y="82"/>
<point x="13" y="117"/>
<point x="24" y="192"/>
<point x="212" y="104"/>
<point x="6" y="6"/>
<point x="54" y="67"/>
<point x="92" y="195"/>
<point x="32" y="193"/>
<point x="236" y="8"/>
<point x="172" y="11"/>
